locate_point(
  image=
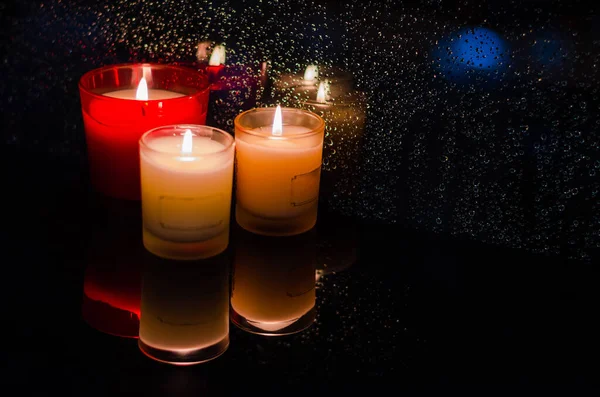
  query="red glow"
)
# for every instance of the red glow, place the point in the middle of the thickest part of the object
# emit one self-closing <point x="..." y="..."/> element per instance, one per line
<point x="111" y="299"/>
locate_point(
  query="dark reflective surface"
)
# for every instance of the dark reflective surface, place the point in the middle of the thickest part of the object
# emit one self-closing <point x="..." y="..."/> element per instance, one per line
<point x="414" y="311"/>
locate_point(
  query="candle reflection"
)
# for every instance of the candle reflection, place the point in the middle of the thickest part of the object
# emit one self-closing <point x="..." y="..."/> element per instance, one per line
<point x="112" y="283"/>
<point x="185" y="310"/>
<point x="273" y="291"/>
<point x="111" y="298"/>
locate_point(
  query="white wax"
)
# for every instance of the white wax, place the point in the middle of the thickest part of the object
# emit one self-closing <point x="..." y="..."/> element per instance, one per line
<point x="188" y="162"/>
<point x="153" y="94"/>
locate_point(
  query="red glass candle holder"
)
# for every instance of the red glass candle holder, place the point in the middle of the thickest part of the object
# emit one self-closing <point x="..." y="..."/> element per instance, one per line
<point x="113" y="126"/>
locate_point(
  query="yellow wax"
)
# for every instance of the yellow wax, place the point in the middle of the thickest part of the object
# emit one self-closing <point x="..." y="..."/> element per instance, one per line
<point x="278" y="177"/>
<point x="153" y="94"/>
<point x="186" y="198"/>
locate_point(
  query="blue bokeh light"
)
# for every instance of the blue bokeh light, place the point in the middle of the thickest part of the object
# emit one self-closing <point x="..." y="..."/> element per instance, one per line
<point x="472" y="54"/>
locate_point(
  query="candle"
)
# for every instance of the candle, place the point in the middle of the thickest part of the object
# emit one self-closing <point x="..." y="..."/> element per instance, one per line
<point x="278" y="158"/>
<point x="184" y="315"/>
<point x="273" y="283"/>
<point x="186" y="178"/>
<point x="294" y="88"/>
<point x="216" y="63"/>
<point x="119" y="103"/>
<point x="345" y="118"/>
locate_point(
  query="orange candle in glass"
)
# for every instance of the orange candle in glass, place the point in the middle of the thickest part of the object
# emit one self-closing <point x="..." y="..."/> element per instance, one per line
<point x="278" y="156"/>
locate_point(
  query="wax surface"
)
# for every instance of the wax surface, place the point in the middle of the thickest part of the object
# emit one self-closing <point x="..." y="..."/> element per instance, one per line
<point x="189" y="162"/>
<point x="153" y="94"/>
<point x="278" y="178"/>
<point x="186" y="197"/>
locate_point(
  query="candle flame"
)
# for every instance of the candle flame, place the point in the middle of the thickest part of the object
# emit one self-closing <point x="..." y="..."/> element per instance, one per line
<point x="277" y="122"/>
<point x="142" y="90"/>
<point x="218" y="56"/>
<point x="186" y="146"/>
<point x="321" y="93"/>
<point x="311" y="73"/>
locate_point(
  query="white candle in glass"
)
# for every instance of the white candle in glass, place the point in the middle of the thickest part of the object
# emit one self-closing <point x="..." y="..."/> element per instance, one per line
<point x="186" y="180"/>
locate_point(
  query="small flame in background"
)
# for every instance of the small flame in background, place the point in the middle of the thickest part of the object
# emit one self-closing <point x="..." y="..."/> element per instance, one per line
<point x="186" y="146"/>
<point x="311" y="73"/>
<point x="321" y="93"/>
<point x="277" y="122"/>
<point x="218" y="56"/>
<point x="142" y="90"/>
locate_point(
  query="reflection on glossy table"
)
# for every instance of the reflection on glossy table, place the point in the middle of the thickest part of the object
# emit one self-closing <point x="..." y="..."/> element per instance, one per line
<point x="414" y="312"/>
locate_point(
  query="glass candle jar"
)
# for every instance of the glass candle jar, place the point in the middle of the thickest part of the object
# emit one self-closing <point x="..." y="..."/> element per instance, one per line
<point x="121" y="102"/>
<point x="278" y="173"/>
<point x="186" y="179"/>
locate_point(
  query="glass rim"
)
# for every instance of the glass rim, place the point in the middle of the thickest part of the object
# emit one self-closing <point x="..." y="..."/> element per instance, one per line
<point x="250" y="131"/>
<point x="230" y="140"/>
<point x="142" y="64"/>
